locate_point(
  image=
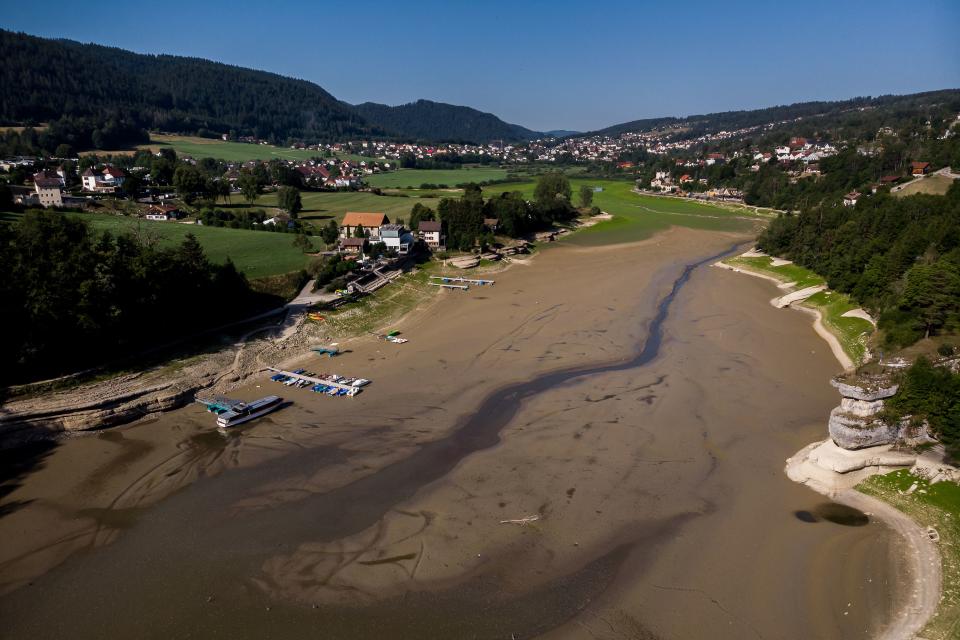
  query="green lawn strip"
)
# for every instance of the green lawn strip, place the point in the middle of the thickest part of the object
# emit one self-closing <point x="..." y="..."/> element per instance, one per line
<point x="256" y="253"/>
<point x="802" y="277"/>
<point x="635" y="216"/>
<point x="851" y="332"/>
<point x="10" y="216"/>
<point x="391" y="302"/>
<point x="931" y="505"/>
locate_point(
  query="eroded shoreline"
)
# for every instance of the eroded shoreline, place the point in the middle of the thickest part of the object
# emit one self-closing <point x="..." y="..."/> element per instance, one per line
<point x="920" y="552"/>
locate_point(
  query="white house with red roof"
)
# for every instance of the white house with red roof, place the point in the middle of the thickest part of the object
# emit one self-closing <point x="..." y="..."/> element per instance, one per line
<point x="107" y="180"/>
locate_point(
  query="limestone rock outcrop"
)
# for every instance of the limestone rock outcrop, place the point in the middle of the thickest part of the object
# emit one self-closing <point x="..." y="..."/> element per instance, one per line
<point x="856" y="423"/>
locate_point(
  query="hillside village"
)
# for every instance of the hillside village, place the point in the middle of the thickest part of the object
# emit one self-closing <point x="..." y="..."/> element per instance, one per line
<point x="664" y="160"/>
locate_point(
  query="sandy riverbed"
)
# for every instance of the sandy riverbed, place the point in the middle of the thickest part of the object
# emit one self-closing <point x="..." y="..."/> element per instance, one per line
<point x="663" y="509"/>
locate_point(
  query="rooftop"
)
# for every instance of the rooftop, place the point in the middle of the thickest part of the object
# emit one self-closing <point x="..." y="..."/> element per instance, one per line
<point x="355" y="218"/>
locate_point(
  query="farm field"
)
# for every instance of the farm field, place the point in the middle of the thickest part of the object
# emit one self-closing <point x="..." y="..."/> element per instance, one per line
<point x="256" y="253"/>
<point x="413" y="178"/>
<point x="936" y="185"/>
<point x="230" y="151"/>
<point x="320" y="206"/>
<point x="636" y="217"/>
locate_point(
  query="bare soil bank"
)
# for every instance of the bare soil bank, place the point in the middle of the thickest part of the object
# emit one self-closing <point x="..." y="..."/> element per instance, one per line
<point x="663" y="510"/>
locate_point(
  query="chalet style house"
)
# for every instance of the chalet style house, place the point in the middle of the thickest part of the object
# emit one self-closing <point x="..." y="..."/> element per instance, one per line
<point x="431" y="232"/>
<point x="371" y="223"/>
<point x="107" y="180"/>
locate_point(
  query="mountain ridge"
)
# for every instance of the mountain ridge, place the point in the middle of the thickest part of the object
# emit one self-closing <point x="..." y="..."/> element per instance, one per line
<point x="443" y="122"/>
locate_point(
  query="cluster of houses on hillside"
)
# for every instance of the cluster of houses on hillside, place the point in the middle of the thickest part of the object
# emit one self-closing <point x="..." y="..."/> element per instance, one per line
<point x="49" y="187"/>
<point x="331" y="173"/>
<point x="917" y="170"/>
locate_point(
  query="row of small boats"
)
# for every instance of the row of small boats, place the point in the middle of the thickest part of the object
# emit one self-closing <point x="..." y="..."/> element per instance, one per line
<point x="329" y="383"/>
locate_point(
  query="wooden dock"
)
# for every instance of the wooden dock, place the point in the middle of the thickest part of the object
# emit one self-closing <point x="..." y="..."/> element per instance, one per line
<point x="315" y="380"/>
<point x="475" y="281"/>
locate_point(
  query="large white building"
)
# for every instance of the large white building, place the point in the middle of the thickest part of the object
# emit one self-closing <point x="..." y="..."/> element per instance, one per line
<point x="49" y="189"/>
<point x="431" y="232"/>
<point x="396" y="238"/>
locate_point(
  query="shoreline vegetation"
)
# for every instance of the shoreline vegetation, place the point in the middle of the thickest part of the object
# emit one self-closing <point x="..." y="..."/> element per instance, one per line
<point x="924" y="515"/>
<point x="837" y="319"/>
<point x="934" y="507"/>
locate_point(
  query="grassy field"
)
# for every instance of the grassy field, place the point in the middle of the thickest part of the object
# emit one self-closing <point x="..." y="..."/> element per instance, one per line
<point x="375" y="313"/>
<point x="802" y="278"/>
<point x="406" y="178"/>
<point x="320" y="206"/>
<point x="232" y="151"/>
<point x="39" y="127"/>
<point x="229" y="151"/>
<point x="256" y="253"/>
<point x="635" y="216"/>
<point x="930" y="505"/>
<point x="934" y="185"/>
<point x="852" y="333"/>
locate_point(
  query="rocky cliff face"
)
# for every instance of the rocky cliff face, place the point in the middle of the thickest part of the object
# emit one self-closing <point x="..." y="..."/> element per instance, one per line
<point x="45" y="418"/>
<point x="855" y="424"/>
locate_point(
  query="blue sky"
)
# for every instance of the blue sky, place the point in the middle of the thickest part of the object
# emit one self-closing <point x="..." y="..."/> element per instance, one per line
<point x="546" y="64"/>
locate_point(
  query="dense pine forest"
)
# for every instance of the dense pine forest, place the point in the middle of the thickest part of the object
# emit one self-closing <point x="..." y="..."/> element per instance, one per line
<point x="86" y="87"/>
<point x="438" y="122"/>
<point x="898" y="257"/>
<point x="808" y="116"/>
<point x="74" y="298"/>
<point x="96" y="97"/>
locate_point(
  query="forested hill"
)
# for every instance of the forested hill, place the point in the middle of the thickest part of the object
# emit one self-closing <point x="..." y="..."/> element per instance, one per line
<point x="45" y="80"/>
<point x="441" y="122"/>
<point x="697" y="125"/>
<point x="102" y="97"/>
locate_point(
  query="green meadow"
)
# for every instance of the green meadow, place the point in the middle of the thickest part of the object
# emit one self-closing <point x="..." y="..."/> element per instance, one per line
<point x="232" y="151"/>
<point x="320" y="206"/>
<point x="413" y="178"/>
<point x="635" y="216"/>
<point x="262" y="253"/>
<point x="256" y="253"/>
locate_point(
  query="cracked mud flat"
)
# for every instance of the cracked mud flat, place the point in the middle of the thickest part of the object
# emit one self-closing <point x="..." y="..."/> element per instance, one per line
<point x="663" y="511"/>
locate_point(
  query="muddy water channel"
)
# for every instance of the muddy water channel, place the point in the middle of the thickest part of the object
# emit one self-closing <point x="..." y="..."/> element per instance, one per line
<point x="643" y="444"/>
